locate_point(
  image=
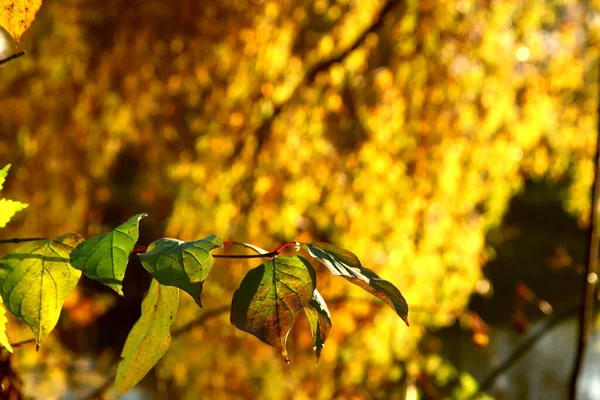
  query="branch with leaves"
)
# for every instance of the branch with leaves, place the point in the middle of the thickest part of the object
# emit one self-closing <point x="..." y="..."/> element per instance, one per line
<point x="36" y="278"/>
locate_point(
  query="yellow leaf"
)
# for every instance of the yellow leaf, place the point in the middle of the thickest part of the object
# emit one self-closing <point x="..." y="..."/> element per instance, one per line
<point x="17" y="15"/>
<point x="3" y="338"/>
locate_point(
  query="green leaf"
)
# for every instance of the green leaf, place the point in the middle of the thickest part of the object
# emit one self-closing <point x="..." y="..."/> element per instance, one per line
<point x="182" y="264"/>
<point x="345" y="264"/>
<point x="8" y="208"/>
<point x="35" y="280"/>
<point x="3" y="338"/>
<point x="104" y="258"/>
<point x="320" y="321"/>
<point x="150" y="337"/>
<point x="270" y="297"/>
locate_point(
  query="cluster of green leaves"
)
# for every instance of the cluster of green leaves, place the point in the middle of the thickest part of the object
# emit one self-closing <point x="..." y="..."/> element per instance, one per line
<point x="37" y="277"/>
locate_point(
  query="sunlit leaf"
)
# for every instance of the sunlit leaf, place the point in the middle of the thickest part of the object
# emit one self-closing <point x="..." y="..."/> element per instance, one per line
<point x="104" y="258"/>
<point x="8" y="208"/>
<point x="270" y="297"/>
<point x="36" y="278"/>
<point x="3" y="175"/>
<point x="186" y="265"/>
<point x="150" y="337"/>
<point x="17" y="15"/>
<point x="3" y="338"/>
<point x="345" y="264"/>
<point x="320" y="321"/>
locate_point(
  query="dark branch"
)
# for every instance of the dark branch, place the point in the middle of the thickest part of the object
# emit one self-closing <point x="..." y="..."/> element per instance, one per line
<point x="590" y="277"/>
<point x="138" y="249"/>
<point x="21" y="240"/>
<point x="264" y="130"/>
<point x="551" y="323"/>
<point x="12" y="57"/>
<point x="375" y="25"/>
<point x="266" y="255"/>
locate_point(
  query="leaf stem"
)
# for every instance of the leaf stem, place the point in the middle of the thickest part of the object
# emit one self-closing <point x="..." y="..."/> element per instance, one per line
<point x="12" y="57"/>
<point x="283" y="246"/>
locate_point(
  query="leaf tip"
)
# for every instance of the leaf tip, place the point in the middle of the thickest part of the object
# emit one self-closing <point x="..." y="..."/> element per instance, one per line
<point x="405" y="318"/>
<point x="286" y="358"/>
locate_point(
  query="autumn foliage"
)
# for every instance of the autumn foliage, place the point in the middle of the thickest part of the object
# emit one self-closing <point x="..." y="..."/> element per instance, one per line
<point x="397" y="129"/>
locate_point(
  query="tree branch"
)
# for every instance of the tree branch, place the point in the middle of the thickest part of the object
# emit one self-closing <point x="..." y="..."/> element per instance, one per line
<point x="590" y="276"/>
<point x="12" y="57"/>
<point x="264" y="130"/>
<point x="523" y="348"/>
<point x="139" y="249"/>
<point x="22" y="343"/>
<point x="21" y="240"/>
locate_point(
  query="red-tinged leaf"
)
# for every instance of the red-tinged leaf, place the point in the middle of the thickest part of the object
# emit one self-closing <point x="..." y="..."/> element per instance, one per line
<point x="270" y="297"/>
<point x="345" y="264"/>
<point x="320" y="321"/>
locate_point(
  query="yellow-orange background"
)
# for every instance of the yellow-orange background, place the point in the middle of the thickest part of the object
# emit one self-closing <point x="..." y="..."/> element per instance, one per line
<point x="406" y="151"/>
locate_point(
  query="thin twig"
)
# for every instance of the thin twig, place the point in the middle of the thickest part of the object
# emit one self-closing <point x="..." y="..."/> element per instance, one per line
<point x="22" y="343"/>
<point x="590" y="276"/>
<point x="265" y="255"/>
<point x="523" y="348"/>
<point x="21" y="240"/>
<point x="215" y="312"/>
<point x="246" y="245"/>
<point x="12" y="57"/>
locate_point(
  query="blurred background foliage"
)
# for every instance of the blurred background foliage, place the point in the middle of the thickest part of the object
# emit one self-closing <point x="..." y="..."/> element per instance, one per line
<point x="254" y="120"/>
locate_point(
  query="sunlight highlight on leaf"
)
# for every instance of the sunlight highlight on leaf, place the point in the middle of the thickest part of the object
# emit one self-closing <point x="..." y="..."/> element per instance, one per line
<point x="35" y="280"/>
<point x="17" y="15"/>
<point x="150" y="337"/>
<point x="345" y="264"/>
<point x="320" y="321"/>
<point x="3" y="338"/>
